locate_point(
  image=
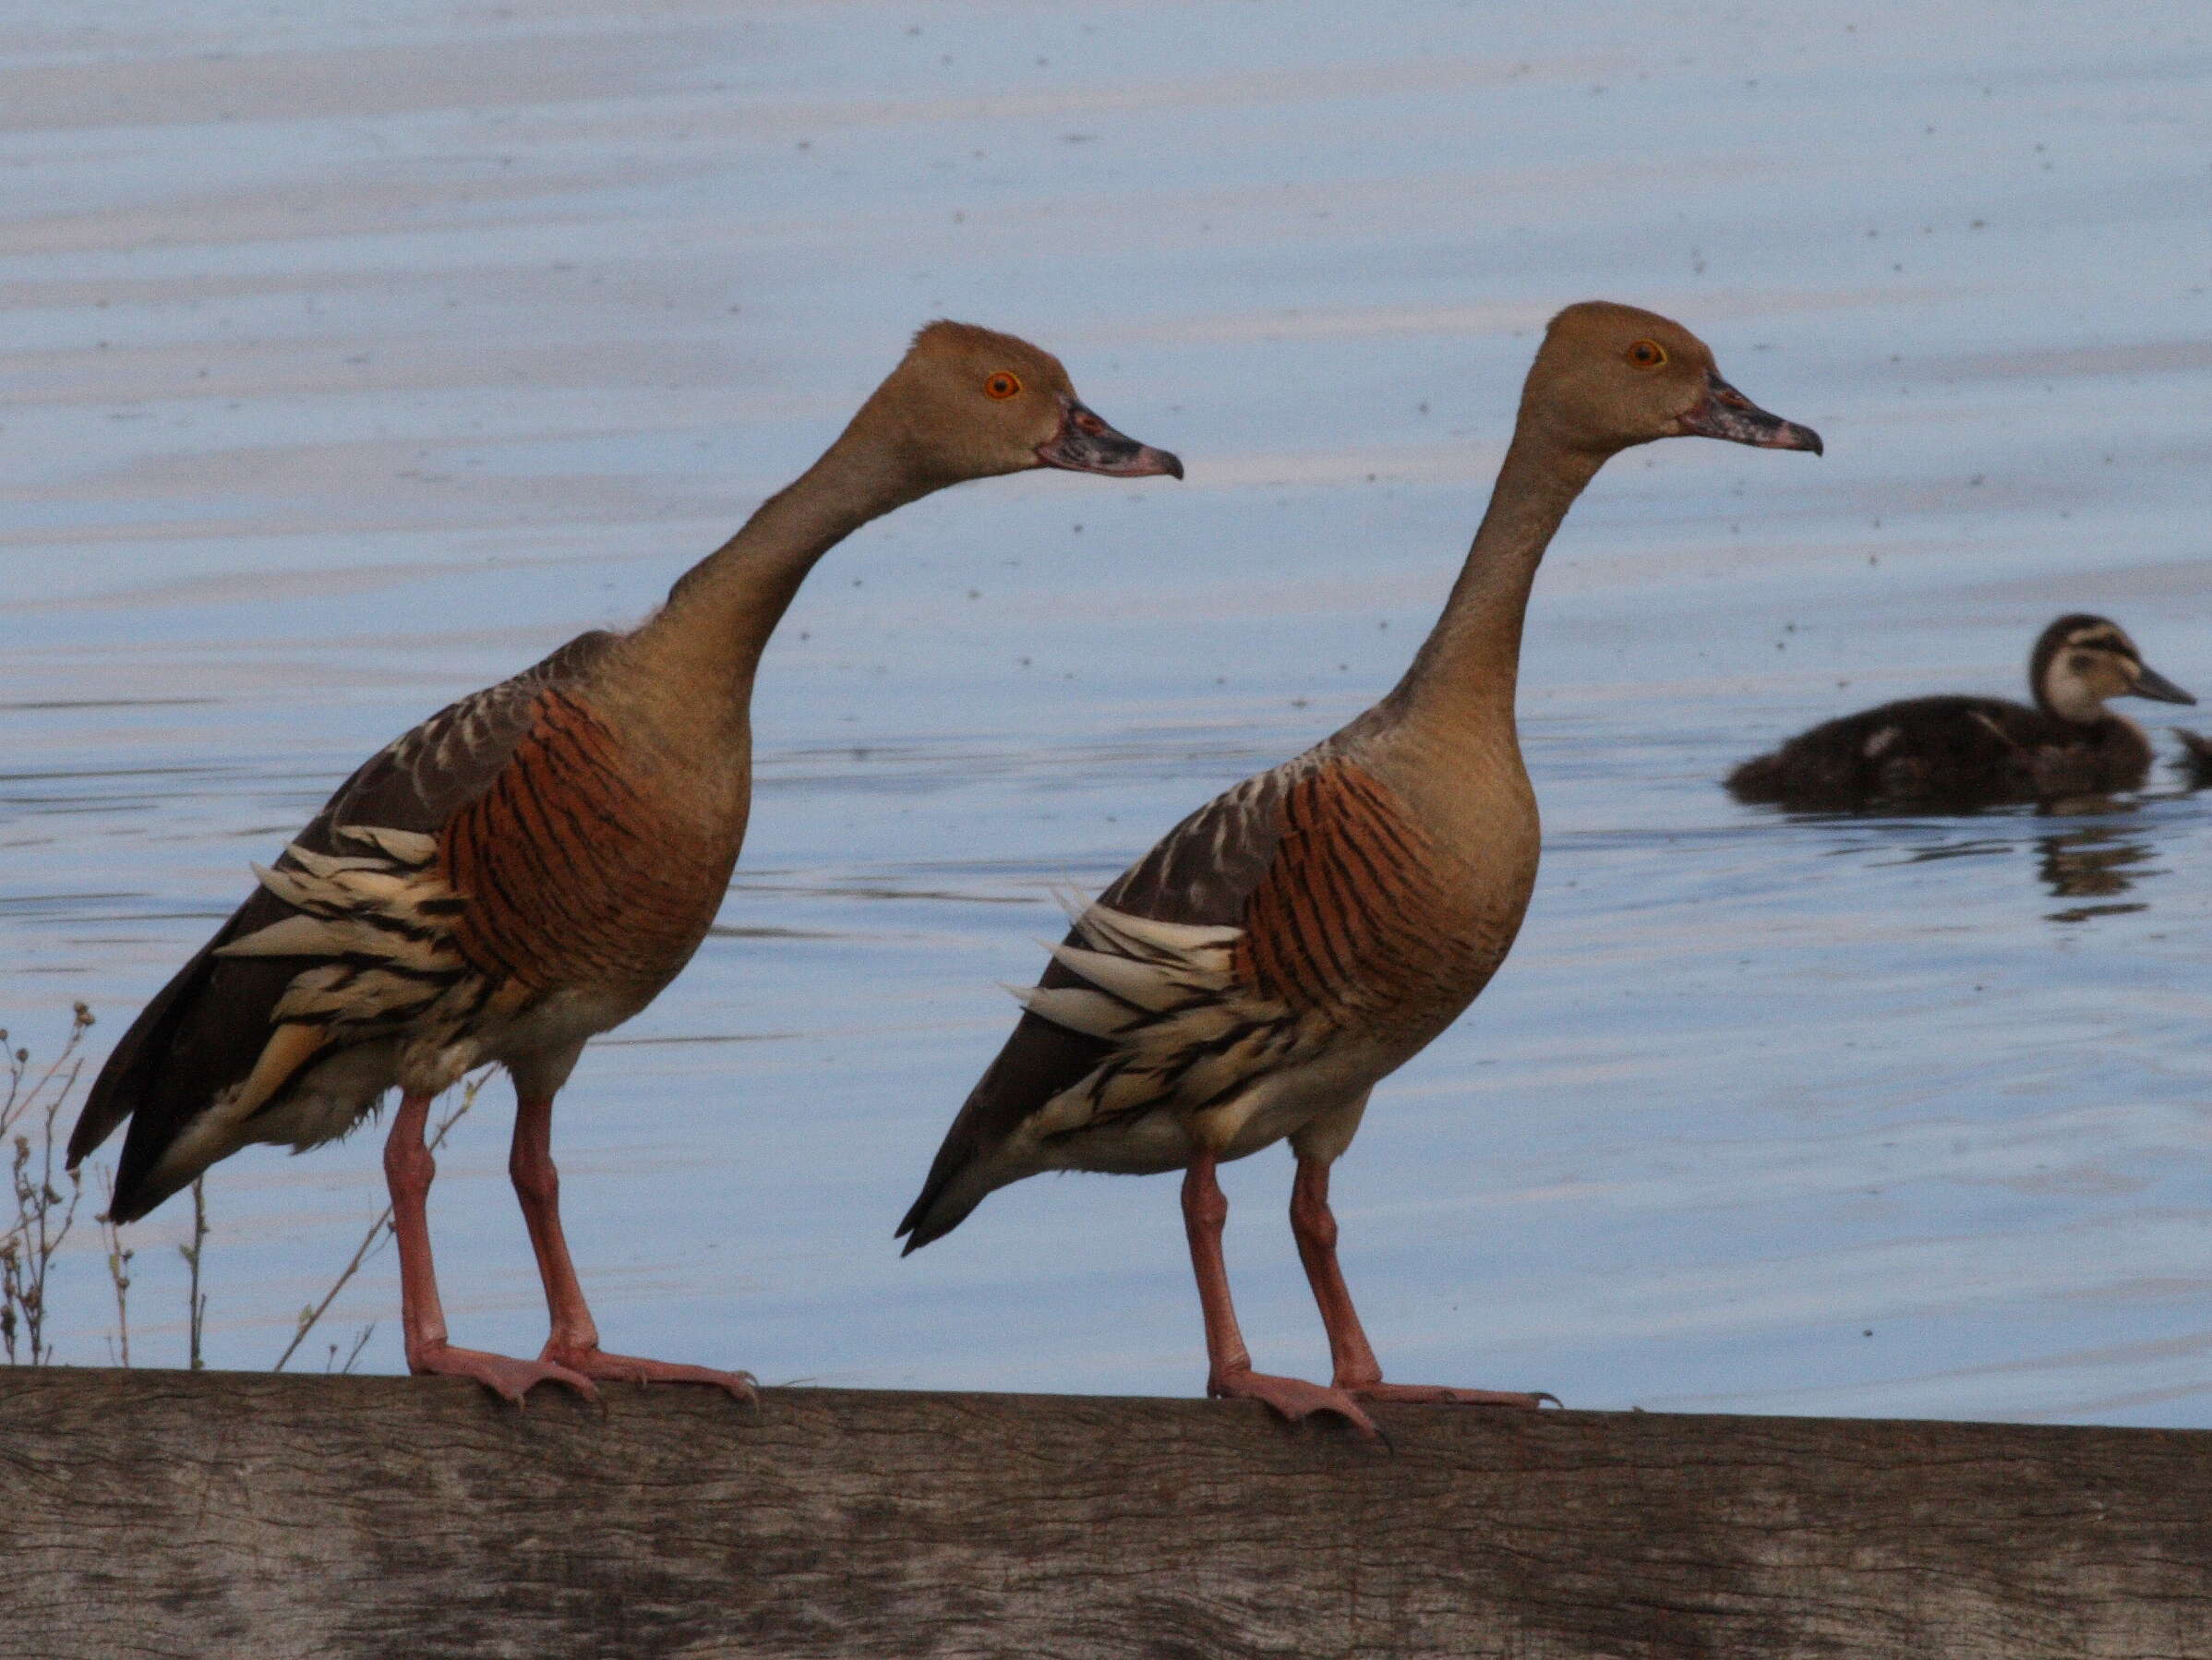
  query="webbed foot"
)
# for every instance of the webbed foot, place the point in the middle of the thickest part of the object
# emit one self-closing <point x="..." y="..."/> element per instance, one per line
<point x="1294" y="1397"/>
<point x="1438" y="1394"/>
<point x="629" y="1368"/>
<point x="501" y="1374"/>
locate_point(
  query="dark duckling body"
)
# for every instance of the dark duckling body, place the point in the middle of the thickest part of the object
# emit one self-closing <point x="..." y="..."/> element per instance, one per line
<point x="1981" y="752"/>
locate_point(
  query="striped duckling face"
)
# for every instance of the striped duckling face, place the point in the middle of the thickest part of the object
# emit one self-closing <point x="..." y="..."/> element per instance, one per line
<point x="971" y="402"/>
<point x="2082" y="660"/>
<point x="1609" y="376"/>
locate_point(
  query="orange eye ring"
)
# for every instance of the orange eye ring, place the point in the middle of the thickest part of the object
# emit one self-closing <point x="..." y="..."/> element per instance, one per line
<point x="1647" y="355"/>
<point x="1002" y="385"/>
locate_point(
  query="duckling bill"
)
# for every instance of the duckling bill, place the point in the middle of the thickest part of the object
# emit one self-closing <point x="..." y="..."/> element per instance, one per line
<point x="1981" y="752"/>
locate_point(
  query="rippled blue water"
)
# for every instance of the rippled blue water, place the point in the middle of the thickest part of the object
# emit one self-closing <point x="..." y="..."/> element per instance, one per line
<point x="352" y="360"/>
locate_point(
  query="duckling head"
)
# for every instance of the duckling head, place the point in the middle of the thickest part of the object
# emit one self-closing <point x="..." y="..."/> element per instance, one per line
<point x="2081" y="660"/>
<point x="1610" y="376"/>
<point x="969" y="403"/>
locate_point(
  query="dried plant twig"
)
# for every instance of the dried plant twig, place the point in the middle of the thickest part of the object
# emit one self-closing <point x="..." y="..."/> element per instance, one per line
<point x="372" y="1242"/>
<point x="345" y="1367"/>
<point x="196" y="1300"/>
<point x="119" y="1266"/>
<point x="44" y="1212"/>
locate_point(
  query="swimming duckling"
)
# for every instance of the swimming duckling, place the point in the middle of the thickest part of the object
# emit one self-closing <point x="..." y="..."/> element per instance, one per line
<point x="1975" y="751"/>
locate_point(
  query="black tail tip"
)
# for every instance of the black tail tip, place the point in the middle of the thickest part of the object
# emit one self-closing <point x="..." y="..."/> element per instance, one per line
<point x="918" y="1232"/>
<point x="931" y="1217"/>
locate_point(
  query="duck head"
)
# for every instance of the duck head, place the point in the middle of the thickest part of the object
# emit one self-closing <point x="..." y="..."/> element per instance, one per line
<point x="969" y="403"/>
<point x="2081" y="660"/>
<point x="1608" y="376"/>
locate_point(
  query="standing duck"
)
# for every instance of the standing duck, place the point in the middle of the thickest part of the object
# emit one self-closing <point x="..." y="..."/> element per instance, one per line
<point x="529" y="868"/>
<point x="1300" y="937"/>
<point x="1980" y="751"/>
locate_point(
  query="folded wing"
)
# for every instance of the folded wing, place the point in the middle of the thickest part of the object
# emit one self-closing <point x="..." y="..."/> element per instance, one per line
<point x="1295" y="904"/>
<point x="255" y="1005"/>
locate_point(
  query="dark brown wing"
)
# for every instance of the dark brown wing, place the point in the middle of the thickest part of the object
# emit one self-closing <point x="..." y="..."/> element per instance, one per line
<point x="421" y="779"/>
<point x="1202" y="871"/>
<point x="204" y="1030"/>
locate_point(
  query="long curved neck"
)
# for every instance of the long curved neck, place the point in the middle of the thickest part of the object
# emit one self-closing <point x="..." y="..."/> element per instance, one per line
<point x="1467" y="669"/>
<point x="709" y="638"/>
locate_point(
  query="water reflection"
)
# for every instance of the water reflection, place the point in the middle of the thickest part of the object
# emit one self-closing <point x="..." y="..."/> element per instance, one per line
<point x="1974" y="847"/>
<point x="454" y="386"/>
<point x="2092" y="863"/>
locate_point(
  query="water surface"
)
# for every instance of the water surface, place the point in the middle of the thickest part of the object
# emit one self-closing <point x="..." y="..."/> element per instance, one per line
<point x="354" y="357"/>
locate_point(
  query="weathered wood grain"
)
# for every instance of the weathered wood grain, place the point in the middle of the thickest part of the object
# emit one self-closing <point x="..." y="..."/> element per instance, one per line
<point x="244" y="1516"/>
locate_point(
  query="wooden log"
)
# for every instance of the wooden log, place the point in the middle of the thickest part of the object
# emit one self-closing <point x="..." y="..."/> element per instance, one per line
<point x="244" y="1516"/>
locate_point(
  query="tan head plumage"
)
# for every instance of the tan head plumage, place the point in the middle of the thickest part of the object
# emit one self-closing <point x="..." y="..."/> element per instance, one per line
<point x="971" y="402"/>
<point x="1609" y="376"/>
<point x="2081" y="659"/>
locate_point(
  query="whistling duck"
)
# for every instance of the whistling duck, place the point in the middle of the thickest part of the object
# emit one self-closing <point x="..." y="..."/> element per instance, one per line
<point x="1294" y="941"/>
<point x="530" y="867"/>
<point x="1975" y="751"/>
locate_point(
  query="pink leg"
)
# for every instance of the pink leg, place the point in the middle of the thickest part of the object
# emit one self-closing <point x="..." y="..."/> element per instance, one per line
<point x="408" y="1167"/>
<point x="1228" y="1372"/>
<point x="1314" y="1227"/>
<point x="575" y="1344"/>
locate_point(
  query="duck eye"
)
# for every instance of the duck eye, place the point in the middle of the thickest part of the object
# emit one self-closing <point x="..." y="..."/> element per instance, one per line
<point x="1647" y="353"/>
<point x="1002" y="385"/>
